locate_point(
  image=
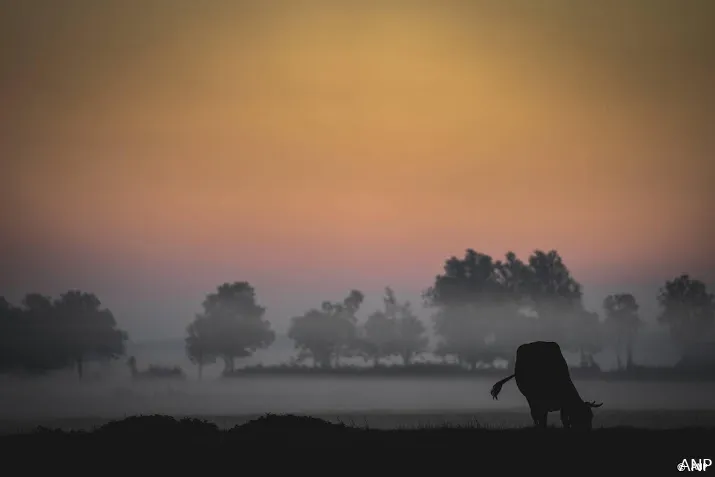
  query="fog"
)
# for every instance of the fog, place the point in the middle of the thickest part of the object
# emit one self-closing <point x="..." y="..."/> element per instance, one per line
<point x="108" y="390"/>
<point x="43" y="401"/>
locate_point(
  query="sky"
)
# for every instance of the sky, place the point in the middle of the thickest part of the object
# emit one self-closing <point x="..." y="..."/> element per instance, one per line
<point x="152" y="150"/>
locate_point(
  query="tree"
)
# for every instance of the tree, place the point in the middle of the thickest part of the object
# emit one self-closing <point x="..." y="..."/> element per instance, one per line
<point x="551" y="283"/>
<point x="484" y="306"/>
<point x="555" y="295"/>
<point x="396" y="330"/>
<point x="45" y="335"/>
<point x="87" y="331"/>
<point x="315" y="334"/>
<point x="465" y="281"/>
<point x="585" y="334"/>
<point x="623" y="321"/>
<point x="11" y="335"/>
<point x="410" y="331"/>
<point x="472" y="304"/>
<point x="199" y="343"/>
<point x="346" y="312"/>
<point x="327" y="333"/>
<point x="687" y="309"/>
<point x="37" y="305"/>
<point x="380" y="336"/>
<point x="235" y="324"/>
<point x="30" y="337"/>
<point x="515" y="278"/>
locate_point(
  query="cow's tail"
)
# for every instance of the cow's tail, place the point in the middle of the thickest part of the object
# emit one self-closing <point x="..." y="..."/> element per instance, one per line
<point x="496" y="389"/>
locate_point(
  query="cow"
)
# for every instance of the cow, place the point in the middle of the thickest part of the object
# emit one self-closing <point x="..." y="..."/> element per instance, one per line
<point x="542" y="376"/>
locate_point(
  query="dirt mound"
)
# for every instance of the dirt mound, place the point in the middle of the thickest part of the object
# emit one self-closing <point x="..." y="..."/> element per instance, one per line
<point x="289" y="423"/>
<point x="157" y="425"/>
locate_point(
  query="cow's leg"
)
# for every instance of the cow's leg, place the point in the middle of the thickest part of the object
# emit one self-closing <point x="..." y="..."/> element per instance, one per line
<point x="565" y="419"/>
<point x="538" y="416"/>
<point x="534" y="413"/>
<point x="535" y="416"/>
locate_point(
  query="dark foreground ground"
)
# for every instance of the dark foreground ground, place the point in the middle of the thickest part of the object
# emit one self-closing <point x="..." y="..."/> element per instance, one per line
<point x="272" y="444"/>
<point x="517" y="417"/>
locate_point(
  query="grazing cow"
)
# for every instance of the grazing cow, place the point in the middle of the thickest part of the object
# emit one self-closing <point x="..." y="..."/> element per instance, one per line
<point x="542" y="376"/>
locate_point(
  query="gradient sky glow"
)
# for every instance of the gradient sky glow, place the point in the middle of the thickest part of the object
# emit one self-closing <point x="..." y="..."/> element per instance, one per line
<point x="152" y="150"/>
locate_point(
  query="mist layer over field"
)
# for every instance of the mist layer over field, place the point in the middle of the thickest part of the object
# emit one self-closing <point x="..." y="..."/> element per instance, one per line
<point x="39" y="400"/>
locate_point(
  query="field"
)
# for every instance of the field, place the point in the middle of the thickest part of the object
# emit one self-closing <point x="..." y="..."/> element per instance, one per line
<point x="512" y="418"/>
<point x="291" y="442"/>
<point x="652" y="425"/>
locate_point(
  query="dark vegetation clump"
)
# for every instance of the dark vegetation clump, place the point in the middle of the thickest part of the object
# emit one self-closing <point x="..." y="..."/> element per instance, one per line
<point x="157" y="425"/>
<point x="294" y="432"/>
<point x="289" y="423"/>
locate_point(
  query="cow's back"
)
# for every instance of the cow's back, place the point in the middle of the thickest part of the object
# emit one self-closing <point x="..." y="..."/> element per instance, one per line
<point x="541" y="369"/>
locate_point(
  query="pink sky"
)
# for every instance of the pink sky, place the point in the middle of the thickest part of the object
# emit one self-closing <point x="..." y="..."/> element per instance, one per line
<point x="154" y="154"/>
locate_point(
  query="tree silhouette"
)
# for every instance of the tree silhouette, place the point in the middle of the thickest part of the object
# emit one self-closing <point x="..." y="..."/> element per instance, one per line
<point x="550" y="283"/>
<point x="515" y="278"/>
<point x="380" y="335"/>
<point x="687" y="309"/>
<point x="44" y="335"/>
<point x="623" y="320"/>
<point x="88" y="331"/>
<point x="473" y="304"/>
<point x="316" y="333"/>
<point x="396" y="330"/>
<point x="33" y="338"/>
<point x="11" y="335"/>
<point x="231" y="326"/>
<point x="411" y="339"/>
<point x="199" y="343"/>
<point x="556" y="297"/>
<point x="482" y="304"/>
<point x="584" y="333"/>
<point x="347" y="310"/>
<point x="329" y="332"/>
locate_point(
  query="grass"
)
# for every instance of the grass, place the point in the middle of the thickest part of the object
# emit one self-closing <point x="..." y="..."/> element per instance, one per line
<point x="274" y="439"/>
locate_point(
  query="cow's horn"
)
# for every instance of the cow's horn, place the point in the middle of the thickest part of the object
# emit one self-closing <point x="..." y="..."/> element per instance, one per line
<point x="593" y="404"/>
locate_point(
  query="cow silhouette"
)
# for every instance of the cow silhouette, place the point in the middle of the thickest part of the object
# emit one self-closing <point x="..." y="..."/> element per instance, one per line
<point x="543" y="377"/>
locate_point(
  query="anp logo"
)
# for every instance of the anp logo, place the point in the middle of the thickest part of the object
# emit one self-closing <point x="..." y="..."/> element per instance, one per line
<point x="695" y="464"/>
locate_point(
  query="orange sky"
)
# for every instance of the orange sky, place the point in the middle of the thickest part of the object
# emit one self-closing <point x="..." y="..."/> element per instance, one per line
<point x="327" y="145"/>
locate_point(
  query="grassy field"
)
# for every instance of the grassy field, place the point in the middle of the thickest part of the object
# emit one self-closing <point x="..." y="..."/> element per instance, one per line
<point x="148" y="440"/>
<point x="392" y="420"/>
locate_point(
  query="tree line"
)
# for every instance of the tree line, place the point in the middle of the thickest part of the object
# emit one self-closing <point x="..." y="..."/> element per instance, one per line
<point x="481" y="310"/>
<point x="46" y="335"/>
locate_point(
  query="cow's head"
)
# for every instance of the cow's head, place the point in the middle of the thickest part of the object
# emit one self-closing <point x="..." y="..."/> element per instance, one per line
<point x="581" y="416"/>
